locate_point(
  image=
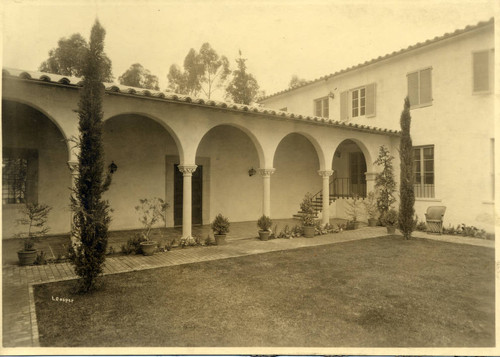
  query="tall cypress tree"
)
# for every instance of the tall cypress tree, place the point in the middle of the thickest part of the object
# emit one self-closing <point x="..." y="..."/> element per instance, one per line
<point x="91" y="212"/>
<point x="407" y="194"/>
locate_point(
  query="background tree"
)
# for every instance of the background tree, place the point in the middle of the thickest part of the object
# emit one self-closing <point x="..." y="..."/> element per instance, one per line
<point x="243" y="88"/>
<point x="91" y="212"/>
<point x="406" y="190"/>
<point x="204" y="72"/>
<point x="68" y="59"/>
<point x="385" y="184"/>
<point x="138" y="76"/>
<point x="296" y="81"/>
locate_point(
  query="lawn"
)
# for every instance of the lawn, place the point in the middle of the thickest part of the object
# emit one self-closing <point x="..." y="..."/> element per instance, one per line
<point x="381" y="292"/>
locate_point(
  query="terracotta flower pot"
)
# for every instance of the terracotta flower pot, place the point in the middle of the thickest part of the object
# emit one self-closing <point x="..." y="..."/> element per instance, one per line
<point x="372" y="222"/>
<point x="308" y="231"/>
<point x="264" y="235"/>
<point x="355" y="224"/>
<point x="391" y="229"/>
<point x="220" y="239"/>
<point x="148" y="247"/>
<point x="26" y="257"/>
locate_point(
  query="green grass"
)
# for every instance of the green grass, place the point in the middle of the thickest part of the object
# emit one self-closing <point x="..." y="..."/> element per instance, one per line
<point x="382" y="292"/>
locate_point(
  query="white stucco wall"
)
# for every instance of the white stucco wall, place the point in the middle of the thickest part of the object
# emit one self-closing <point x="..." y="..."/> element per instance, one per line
<point x="459" y="123"/>
<point x="29" y="129"/>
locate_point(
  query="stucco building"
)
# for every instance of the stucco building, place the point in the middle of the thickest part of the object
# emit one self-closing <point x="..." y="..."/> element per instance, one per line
<point x="208" y="157"/>
<point x="450" y="84"/>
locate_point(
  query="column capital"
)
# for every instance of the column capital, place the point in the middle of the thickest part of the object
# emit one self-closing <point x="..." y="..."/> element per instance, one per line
<point x="325" y="173"/>
<point x="266" y="172"/>
<point x="187" y="170"/>
<point x="370" y="176"/>
<point x="73" y="167"/>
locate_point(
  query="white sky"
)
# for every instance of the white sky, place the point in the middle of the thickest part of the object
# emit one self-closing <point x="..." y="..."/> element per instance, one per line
<point x="280" y="38"/>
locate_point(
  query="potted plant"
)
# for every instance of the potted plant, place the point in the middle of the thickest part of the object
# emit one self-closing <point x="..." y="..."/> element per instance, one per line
<point x="308" y="216"/>
<point x="353" y="211"/>
<point x="371" y="208"/>
<point x="35" y="217"/>
<point x="151" y="211"/>
<point x="390" y="220"/>
<point x="265" y="223"/>
<point x="220" y="227"/>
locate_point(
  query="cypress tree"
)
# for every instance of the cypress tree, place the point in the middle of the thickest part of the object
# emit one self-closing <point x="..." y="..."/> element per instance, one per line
<point x="91" y="213"/>
<point x="407" y="194"/>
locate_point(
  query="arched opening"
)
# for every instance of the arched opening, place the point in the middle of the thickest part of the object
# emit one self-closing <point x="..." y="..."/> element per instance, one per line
<point x="350" y="166"/>
<point x="230" y="187"/>
<point x="297" y="164"/>
<point x="34" y="161"/>
<point x="141" y="149"/>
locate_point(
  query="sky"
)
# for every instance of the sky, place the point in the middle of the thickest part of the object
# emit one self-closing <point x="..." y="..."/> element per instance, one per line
<point x="279" y="38"/>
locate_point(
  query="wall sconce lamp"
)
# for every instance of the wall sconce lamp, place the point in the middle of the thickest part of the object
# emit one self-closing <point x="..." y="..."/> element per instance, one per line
<point x="251" y="172"/>
<point x="331" y="95"/>
<point x="338" y="153"/>
<point x="112" y="167"/>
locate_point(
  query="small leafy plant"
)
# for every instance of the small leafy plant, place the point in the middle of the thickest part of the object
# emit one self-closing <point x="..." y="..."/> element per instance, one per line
<point x="220" y="225"/>
<point x="370" y="204"/>
<point x="265" y="223"/>
<point x="307" y="209"/>
<point x="390" y="219"/>
<point x="151" y="211"/>
<point x="353" y="209"/>
<point x="35" y="216"/>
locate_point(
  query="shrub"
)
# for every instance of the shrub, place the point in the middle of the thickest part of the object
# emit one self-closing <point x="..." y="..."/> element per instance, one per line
<point x="151" y="211"/>
<point x="370" y="204"/>
<point x="353" y="209"/>
<point x="307" y="209"/>
<point x="390" y="219"/>
<point x="41" y="258"/>
<point x="385" y="184"/>
<point x="35" y="217"/>
<point x="220" y="225"/>
<point x="264" y="223"/>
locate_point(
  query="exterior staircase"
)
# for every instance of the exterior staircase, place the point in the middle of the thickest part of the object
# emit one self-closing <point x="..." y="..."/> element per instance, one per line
<point x="317" y="203"/>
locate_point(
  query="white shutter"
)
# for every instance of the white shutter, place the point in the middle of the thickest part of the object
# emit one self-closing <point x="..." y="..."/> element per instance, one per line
<point x="344" y="105"/>
<point x="413" y="88"/>
<point x="480" y="68"/>
<point x="426" y="86"/>
<point x="370" y="91"/>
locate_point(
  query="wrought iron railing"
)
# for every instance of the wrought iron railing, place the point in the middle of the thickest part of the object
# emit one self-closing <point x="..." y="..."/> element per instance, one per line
<point x="343" y="187"/>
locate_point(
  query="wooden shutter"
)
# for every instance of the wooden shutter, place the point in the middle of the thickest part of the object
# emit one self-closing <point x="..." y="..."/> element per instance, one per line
<point x="480" y="69"/>
<point x="413" y="88"/>
<point x="317" y="107"/>
<point x="370" y="90"/>
<point x="426" y="86"/>
<point x="344" y="105"/>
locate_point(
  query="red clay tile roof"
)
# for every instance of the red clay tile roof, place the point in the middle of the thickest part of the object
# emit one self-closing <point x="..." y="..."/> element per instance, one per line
<point x="389" y="55"/>
<point x="113" y="88"/>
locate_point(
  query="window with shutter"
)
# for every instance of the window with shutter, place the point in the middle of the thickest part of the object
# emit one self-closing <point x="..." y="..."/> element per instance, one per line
<point x="481" y="71"/>
<point x="420" y="88"/>
<point x="423" y="171"/>
<point x="362" y="101"/>
<point x="321" y="107"/>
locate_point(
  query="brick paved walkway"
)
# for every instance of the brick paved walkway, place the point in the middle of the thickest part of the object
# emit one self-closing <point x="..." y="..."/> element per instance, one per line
<point x="19" y="319"/>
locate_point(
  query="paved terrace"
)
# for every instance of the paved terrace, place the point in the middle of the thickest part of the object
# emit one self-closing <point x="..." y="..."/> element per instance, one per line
<point x="20" y="327"/>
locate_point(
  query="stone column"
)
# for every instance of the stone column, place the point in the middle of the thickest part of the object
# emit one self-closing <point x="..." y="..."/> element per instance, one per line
<point x="73" y="169"/>
<point x="370" y="181"/>
<point x="326" y="194"/>
<point x="187" y="171"/>
<point x="266" y="178"/>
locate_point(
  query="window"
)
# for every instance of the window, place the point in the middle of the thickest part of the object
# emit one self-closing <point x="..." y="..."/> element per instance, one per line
<point x="423" y="170"/>
<point x="482" y="71"/>
<point x="420" y="88"/>
<point x="358" y="102"/>
<point x="321" y="107"/>
<point x="19" y="178"/>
